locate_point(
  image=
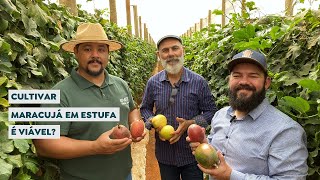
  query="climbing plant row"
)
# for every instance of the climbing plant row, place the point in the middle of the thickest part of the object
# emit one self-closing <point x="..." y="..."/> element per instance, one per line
<point x="30" y="58"/>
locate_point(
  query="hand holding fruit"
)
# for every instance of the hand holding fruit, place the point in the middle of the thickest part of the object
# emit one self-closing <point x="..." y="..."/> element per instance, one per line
<point x="212" y="162"/>
<point x="196" y="136"/>
<point x="105" y="145"/>
<point x="222" y="172"/>
<point x="183" y="126"/>
<point x="196" y="133"/>
<point x="206" y="156"/>
<point x="166" y="132"/>
<point x="119" y="132"/>
<point x="137" y="130"/>
<point x="158" y="122"/>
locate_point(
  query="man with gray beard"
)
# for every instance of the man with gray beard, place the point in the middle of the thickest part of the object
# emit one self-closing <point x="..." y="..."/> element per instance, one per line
<point x="254" y="139"/>
<point x="184" y="98"/>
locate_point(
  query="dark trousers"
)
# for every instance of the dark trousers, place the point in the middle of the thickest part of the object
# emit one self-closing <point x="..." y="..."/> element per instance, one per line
<point x="187" y="172"/>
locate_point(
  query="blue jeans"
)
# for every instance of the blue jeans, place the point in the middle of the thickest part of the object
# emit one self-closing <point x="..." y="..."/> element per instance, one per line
<point x="187" y="172"/>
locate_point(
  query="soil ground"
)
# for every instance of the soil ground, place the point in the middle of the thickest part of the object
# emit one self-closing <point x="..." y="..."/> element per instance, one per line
<point x="152" y="168"/>
<point x="145" y="165"/>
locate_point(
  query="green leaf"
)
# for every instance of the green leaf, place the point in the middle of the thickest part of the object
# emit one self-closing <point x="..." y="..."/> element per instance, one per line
<point x="251" y="5"/>
<point x="4" y="116"/>
<point x="265" y="43"/>
<point x="56" y="58"/>
<point x="32" y="165"/>
<point x="31" y="61"/>
<point x="6" y="64"/>
<point x="56" y="41"/>
<point x="13" y="84"/>
<point x="43" y="70"/>
<point x="3" y="80"/>
<point x="306" y="68"/>
<point x="312" y="85"/>
<point x="245" y="34"/>
<point x="40" y="53"/>
<point x="21" y="40"/>
<point x="36" y="72"/>
<point x="5" y="170"/>
<point x="317" y="137"/>
<point x="39" y="15"/>
<point x="4" y="135"/>
<point x="313" y="41"/>
<point x="291" y="81"/>
<point x="5" y="47"/>
<point x="3" y="155"/>
<point x="253" y="44"/>
<point x="31" y="28"/>
<point x="275" y="32"/>
<point x="22" y="145"/>
<point x="23" y="176"/>
<point x="3" y="25"/>
<point x="294" y="51"/>
<point x="217" y="12"/>
<point x="297" y="103"/>
<point x="15" y="160"/>
<point x="7" y="146"/>
<point x="22" y="58"/>
<point x="3" y="91"/>
<point x="8" y="6"/>
<point x="314" y="153"/>
<point x="284" y="76"/>
<point x="63" y="72"/>
<point x="4" y="102"/>
<point x="5" y="69"/>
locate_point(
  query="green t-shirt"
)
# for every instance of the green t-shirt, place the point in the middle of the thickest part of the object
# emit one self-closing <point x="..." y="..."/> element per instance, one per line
<point x="75" y="91"/>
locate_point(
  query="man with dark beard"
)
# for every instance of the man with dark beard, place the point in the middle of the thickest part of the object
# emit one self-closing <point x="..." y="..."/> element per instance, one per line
<point x="85" y="150"/>
<point x="254" y="139"/>
<point x="184" y="98"/>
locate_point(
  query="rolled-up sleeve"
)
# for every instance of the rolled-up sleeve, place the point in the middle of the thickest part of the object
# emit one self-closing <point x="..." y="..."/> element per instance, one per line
<point x="206" y="106"/>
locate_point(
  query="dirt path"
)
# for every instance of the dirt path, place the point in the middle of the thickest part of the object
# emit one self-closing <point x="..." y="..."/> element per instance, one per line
<point x="145" y="165"/>
<point x="138" y="153"/>
<point x="152" y="168"/>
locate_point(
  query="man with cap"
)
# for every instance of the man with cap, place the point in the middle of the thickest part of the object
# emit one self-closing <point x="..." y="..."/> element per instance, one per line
<point x="184" y="98"/>
<point x="85" y="150"/>
<point x="254" y="139"/>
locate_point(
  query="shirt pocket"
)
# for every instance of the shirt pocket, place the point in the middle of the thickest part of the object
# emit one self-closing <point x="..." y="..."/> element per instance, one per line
<point x="191" y="101"/>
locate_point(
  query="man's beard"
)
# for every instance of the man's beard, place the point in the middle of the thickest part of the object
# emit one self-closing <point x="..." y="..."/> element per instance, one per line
<point x="172" y="69"/>
<point x="95" y="73"/>
<point x="246" y="104"/>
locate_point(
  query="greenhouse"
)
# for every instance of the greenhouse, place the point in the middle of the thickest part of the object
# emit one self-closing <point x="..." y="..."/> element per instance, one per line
<point x="35" y="58"/>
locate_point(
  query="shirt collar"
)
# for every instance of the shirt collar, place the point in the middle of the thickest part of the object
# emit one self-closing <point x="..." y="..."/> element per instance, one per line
<point x="84" y="83"/>
<point x="185" y="75"/>
<point x="255" y="113"/>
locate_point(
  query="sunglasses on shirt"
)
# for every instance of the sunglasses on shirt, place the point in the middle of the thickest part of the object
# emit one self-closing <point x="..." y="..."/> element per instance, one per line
<point x="174" y="92"/>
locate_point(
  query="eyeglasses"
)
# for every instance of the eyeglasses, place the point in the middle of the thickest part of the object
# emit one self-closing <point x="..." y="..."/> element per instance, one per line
<point x="173" y="94"/>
